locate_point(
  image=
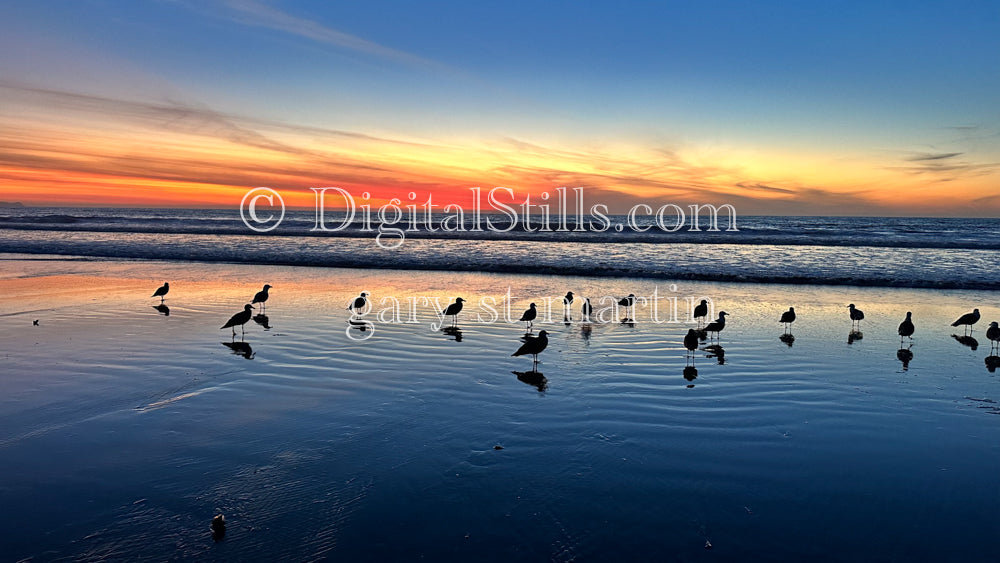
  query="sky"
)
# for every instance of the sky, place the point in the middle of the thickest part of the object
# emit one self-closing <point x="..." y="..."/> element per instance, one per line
<point x="790" y="108"/>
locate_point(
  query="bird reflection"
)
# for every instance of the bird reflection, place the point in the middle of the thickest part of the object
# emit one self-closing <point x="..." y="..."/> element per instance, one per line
<point x="854" y="335"/>
<point x="904" y="355"/>
<point x="787" y="338"/>
<point x="262" y="320"/>
<point x="241" y="349"/>
<point x="360" y="325"/>
<point x="585" y="330"/>
<point x="966" y="340"/>
<point x="163" y="309"/>
<point x="992" y="363"/>
<point x="533" y="378"/>
<point x="454" y="332"/>
<point x="716" y="351"/>
<point x="690" y="374"/>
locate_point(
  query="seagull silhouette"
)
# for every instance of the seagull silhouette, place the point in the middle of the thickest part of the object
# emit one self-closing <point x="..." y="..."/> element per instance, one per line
<point x="700" y="312"/>
<point x="993" y="333"/>
<point x="968" y="319"/>
<point x="788" y="317"/>
<point x="359" y="302"/>
<point x="261" y="297"/>
<point x="717" y="325"/>
<point x="529" y="315"/>
<point x="533" y="345"/>
<point x="691" y="341"/>
<point x="161" y="291"/>
<point x="856" y="316"/>
<point x="906" y="328"/>
<point x="453" y="310"/>
<point x="568" y="305"/>
<point x="240" y="318"/>
<point x="627" y="302"/>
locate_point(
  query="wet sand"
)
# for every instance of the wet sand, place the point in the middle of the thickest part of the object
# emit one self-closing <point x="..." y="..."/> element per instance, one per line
<point x="126" y="430"/>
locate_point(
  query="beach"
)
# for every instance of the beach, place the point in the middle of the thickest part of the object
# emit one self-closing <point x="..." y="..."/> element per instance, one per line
<point x="126" y="430"/>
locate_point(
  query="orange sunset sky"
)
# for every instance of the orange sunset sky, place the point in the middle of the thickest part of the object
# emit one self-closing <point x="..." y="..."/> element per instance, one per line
<point x="888" y="110"/>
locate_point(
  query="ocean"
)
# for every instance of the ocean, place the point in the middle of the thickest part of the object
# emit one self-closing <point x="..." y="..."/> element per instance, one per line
<point x="944" y="253"/>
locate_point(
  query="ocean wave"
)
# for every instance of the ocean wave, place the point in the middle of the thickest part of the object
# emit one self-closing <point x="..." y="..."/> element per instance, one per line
<point x="857" y="266"/>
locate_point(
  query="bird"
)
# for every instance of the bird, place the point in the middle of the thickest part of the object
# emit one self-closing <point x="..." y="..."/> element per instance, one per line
<point x="968" y="319"/>
<point x="993" y="333"/>
<point x="691" y="340"/>
<point x="359" y="302"/>
<point x="906" y="327"/>
<point x="261" y="297"/>
<point x="161" y="291"/>
<point x="701" y="311"/>
<point x="788" y="317"/>
<point x="533" y="345"/>
<point x="454" y="309"/>
<point x="627" y="302"/>
<point x="856" y="315"/>
<point x="588" y="309"/>
<point x="717" y="325"/>
<point x="529" y="316"/>
<point x="568" y="305"/>
<point x="34" y="322"/>
<point x="240" y="318"/>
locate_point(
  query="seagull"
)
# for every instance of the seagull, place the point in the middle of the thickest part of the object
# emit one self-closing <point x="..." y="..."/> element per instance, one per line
<point x="359" y="302"/>
<point x="529" y="316"/>
<point x="453" y="310"/>
<point x="788" y="317"/>
<point x="906" y="328"/>
<point x="161" y="291"/>
<point x="968" y="319"/>
<point x="701" y="311"/>
<point x="534" y="346"/>
<point x="568" y="304"/>
<point x="718" y="324"/>
<point x="239" y="319"/>
<point x="588" y="309"/>
<point x="261" y="297"/>
<point x="691" y="340"/>
<point x="627" y="302"/>
<point x="856" y="315"/>
<point x="993" y="333"/>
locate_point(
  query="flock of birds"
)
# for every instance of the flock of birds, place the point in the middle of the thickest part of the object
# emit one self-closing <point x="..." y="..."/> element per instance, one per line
<point x="534" y="345"/>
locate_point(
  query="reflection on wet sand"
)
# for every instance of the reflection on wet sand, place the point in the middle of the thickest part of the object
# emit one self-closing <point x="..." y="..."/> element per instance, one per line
<point x="716" y="351"/>
<point x="966" y="340"/>
<point x="262" y="320"/>
<point x="904" y="355"/>
<point x="534" y="378"/>
<point x="241" y="349"/>
<point x="690" y="374"/>
<point x="454" y="332"/>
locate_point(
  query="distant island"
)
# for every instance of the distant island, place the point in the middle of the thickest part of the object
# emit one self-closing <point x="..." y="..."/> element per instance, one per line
<point x="11" y="204"/>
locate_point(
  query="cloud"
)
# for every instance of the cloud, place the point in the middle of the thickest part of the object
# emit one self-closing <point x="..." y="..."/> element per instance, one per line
<point x="931" y="156"/>
<point x="764" y="188"/>
<point x="945" y="166"/>
<point x="257" y="14"/>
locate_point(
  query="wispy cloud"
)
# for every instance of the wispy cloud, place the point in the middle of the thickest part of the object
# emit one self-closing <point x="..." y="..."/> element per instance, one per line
<point x="257" y="14"/>
<point x="945" y="166"/>
<point x="931" y="156"/>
